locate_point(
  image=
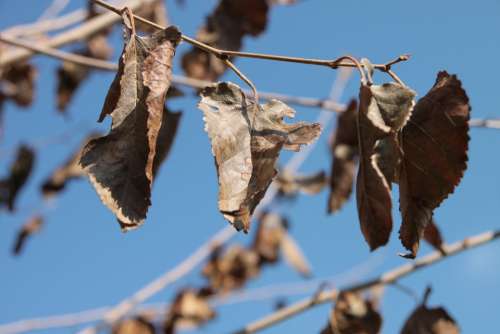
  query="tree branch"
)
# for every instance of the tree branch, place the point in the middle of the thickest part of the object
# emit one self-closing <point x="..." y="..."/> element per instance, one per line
<point x="386" y="278"/>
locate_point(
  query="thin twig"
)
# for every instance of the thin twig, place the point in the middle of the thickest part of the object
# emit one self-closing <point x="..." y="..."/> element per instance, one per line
<point x="386" y="278"/>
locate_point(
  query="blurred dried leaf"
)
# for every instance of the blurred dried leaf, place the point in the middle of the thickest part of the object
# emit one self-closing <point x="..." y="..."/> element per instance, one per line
<point x="156" y="12"/>
<point x="383" y="111"/>
<point x="69" y="170"/>
<point x="246" y="141"/>
<point x="344" y="150"/>
<point x="225" y="29"/>
<point x="435" y="144"/>
<point x="120" y="165"/>
<point x="20" y="170"/>
<point x="231" y="269"/>
<point x="294" y="256"/>
<point x="353" y="315"/>
<point x="137" y="325"/>
<point x="290" y="185"/>
<point x="33" y="226"/>
<point x="17" y="83"/>
<point x="71" y="75"/>
<point x="425" y="320"/>
<point x="189" y="309"/>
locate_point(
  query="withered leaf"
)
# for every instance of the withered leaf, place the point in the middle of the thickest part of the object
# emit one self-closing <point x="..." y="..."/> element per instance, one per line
<point x="17" y="83"/>
<point x="353" y="315"/>
<point x="69" y="170"/>
<point x="382" y="112"/>
<point x="225" y="29"/>
<point x="70" y="75"/>
<point x="246" y="141"/>
<point x="230" y="269"/>
<point x="33" y="226"/>
<point x="154" y="11"/>
<point x="166" y="136"/>
<point x="435" y="143"/>
<point x="290" y="185"/>
<point x="20" y="171"/>
<point x="120" y="165"/>
<point x="137" y="325"/>
<point x="426" y="320"/>
<point x="272" y="240"/>
<point x="189" y="309"/>
<point x="344" y="150"/>
<point x="433" y="236"/>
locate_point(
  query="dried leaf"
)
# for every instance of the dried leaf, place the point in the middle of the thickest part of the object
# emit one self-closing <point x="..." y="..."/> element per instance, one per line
<point x="435" y="144"/>
<point x="69" y="170"/>
<point x="154" y="11"/>
<point x="166" y="136"/>
<point x="344" y="150"/>
<point x="17" y="83"/>
<point x="383" y="111"/>
<point x="246" y="141"/>
<point x="425" y="320"/>
<point x="33" y="226"/>
<point x="120" y="165"/>
<point x="294" y="256"/>
<point x="20" y="171"/>
<point x="433" y="236"/>
<point x="231" y="269"/>
<point x="225" y="29"/>
<point x="137" y="325"/>
<point x="353" y="315"/>
<point x="290" y="185"/>
<point x="71" y="75"/>
<point x="190" y="309"/>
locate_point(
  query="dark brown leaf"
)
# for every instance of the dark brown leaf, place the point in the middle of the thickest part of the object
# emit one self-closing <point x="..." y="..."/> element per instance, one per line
<point x="137" y="325"/>
<point x="120" y="165"/>
<point x="166" y="136"/>
<point x="17" y="83"/>
<point x="246" y="141"/>
<point x="435" y="143"/>
<point x="189" y="309"/>
<point x="225" y="29"/>
<point x="382" y="112"/>
<point x="290" y="185"/>
<point x="27" y="230"/>
<point x="433" y="236"/>
<point x="353" y="315"/>
<point x="344" y="150"/>
<point x="68" y="171"/>
<point x="20" y="171"/>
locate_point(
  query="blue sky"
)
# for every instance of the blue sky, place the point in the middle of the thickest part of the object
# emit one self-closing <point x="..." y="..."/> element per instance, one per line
<point x="81" y="260"/>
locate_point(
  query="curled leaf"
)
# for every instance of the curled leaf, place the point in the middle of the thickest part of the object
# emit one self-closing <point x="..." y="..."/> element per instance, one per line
<point x="33" y="226"/>
<point x="382" y="112"/>
<point x="246" y="141"/>
<point x="17" y="83"/>
<point x="120" y="165"/>
<point x="434" y="143"/>
<point x="344" y="150"/>
<point x="20" y="171"/>
<point x="353" y="315"/>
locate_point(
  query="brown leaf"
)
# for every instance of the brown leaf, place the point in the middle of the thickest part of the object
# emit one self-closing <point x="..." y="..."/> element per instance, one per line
<point x="69" y="170"/>
<point x="425" y="320"/>
<point x="435" y="143"/>
<point x="189" y="309"/>
<point x="294" y="256"/>
<point x="353" y="315"/>
<point x="382" y="112"/>
<point x="20" y="171"/>
<point x="17" y="83"/>
<point x="154" y="11"/>
<point x="290" y="185"/>
<point x="120" y="165"/>
<point x="246" y="141"/>
<point x="344" y="150"/>
<point x="166" y="136"/>
<point x="231" y="269"/>
<point x="225" y="29"/>
<point x="33" y="226"/>
<point x="137" y="325"/>
<point x="433" y="236"/>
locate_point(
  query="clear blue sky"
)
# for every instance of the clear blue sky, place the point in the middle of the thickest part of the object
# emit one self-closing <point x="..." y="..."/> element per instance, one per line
<point x="81" y="260"/>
